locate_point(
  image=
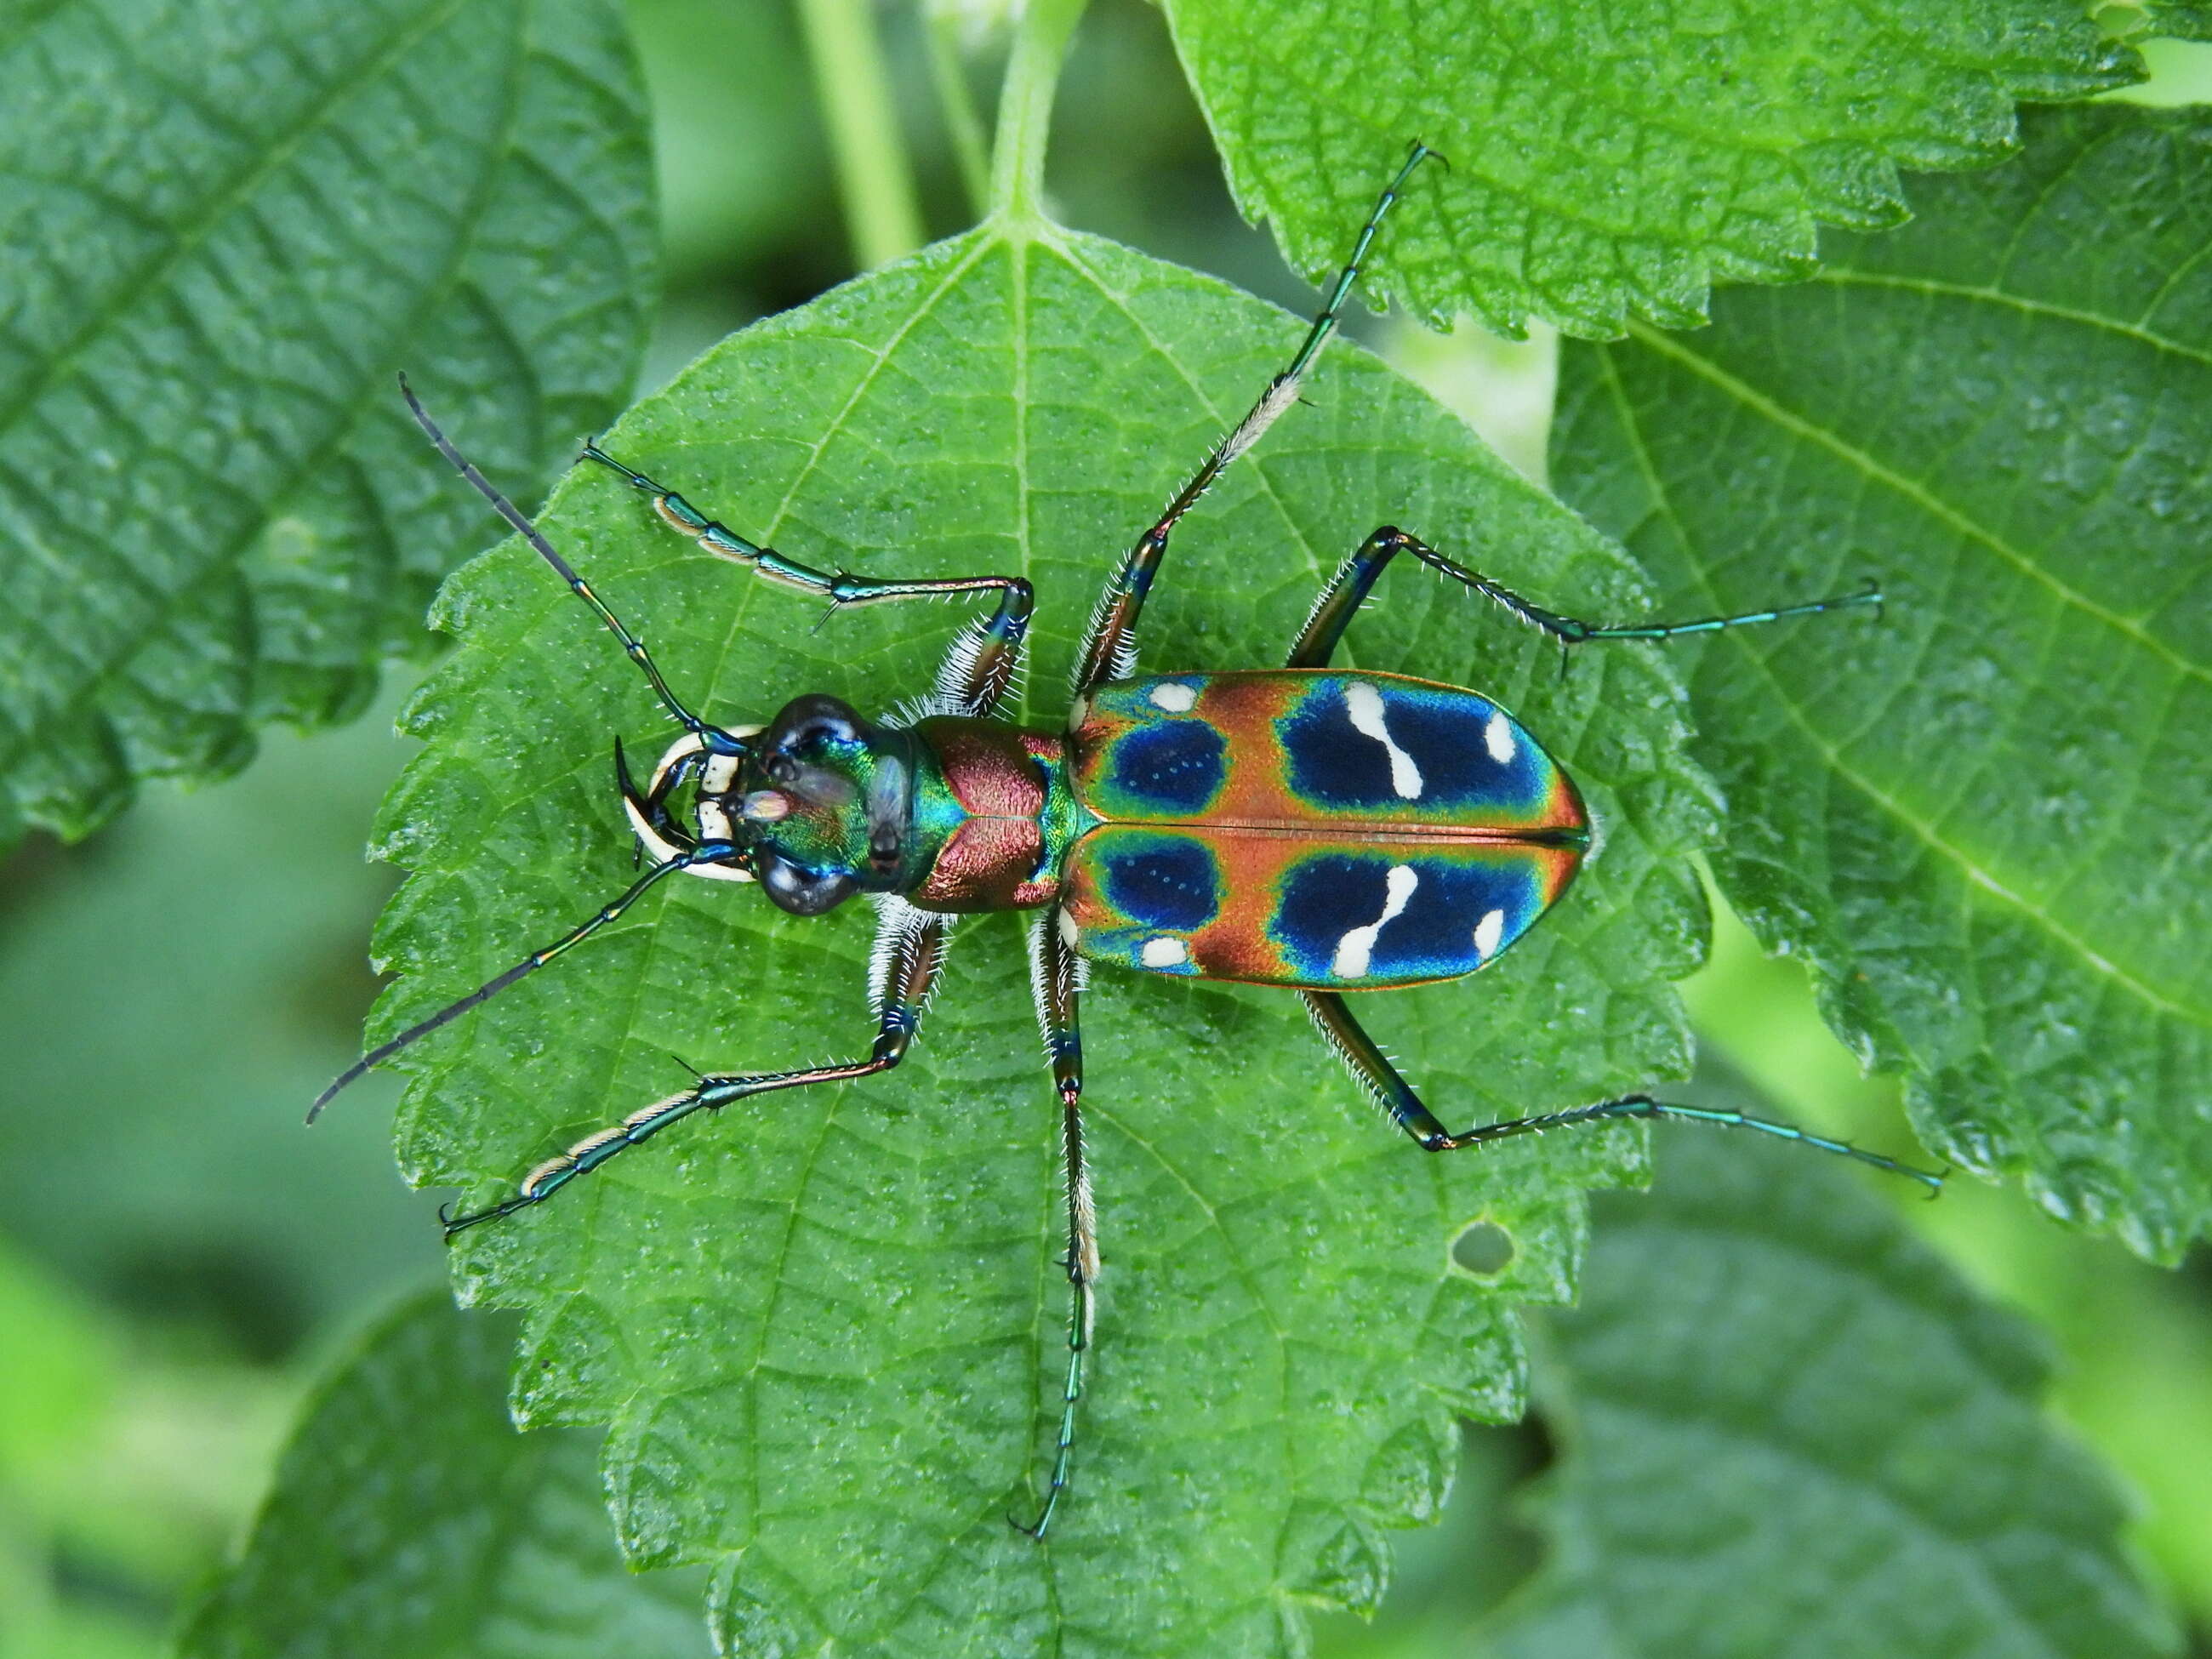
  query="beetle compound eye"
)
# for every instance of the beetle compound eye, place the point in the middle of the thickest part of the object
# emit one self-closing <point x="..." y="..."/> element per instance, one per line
<point x="801" y="891"/>
<point x="807" y="722"/>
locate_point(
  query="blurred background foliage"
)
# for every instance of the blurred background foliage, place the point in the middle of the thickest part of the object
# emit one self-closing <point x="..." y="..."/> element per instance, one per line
<point x="177" y="1252"/>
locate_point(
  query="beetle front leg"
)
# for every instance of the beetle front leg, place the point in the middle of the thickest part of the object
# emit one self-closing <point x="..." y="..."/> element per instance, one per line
<point x="909" y="950"/>
<point x="981" y="664"/>
<point x="1355" y="578"/>
<point x="1055" y="978"/>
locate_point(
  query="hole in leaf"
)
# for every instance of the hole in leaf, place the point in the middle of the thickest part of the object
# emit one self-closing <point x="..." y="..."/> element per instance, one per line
<point x="1483" y="1249"/>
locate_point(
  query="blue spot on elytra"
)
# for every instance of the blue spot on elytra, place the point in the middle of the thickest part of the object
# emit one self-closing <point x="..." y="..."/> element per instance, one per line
<point x="1334" y="764"/>
<point x="1323" y="898"/>
<point x="1178" y="765"/>
<point x="1172" y="883"/>
<point x="1329" y="894"/>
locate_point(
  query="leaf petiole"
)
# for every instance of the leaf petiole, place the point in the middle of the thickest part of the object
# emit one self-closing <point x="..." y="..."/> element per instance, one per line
<point x="1025" y="108"/>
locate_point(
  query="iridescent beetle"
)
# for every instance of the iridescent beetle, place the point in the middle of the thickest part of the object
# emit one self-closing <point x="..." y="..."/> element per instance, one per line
<point x="1323" y="830"/>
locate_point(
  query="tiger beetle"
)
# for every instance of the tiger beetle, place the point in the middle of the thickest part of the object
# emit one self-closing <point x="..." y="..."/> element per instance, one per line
<point x="1321" y="830"/>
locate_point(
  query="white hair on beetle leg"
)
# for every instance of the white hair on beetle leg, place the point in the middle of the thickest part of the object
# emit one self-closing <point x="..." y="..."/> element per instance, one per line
<point x="1124" y="663"/>
<point x="896" y="924"/>
<point x="1040" y="986"/>
<point x="1273" y="404"/>
<point x="1322" y="601"/>
<point x="1371" y="1089"/>
<point x="1083" y="1210"/>
<point x="904" y="713"/>
<point x="952" y="690"/>
<point x="1083" y="1252"/>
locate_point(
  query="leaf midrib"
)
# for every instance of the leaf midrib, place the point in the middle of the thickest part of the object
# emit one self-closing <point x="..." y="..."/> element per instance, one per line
<point x="746" y="595"/>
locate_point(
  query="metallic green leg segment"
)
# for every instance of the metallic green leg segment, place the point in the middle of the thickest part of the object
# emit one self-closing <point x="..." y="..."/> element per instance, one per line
<point x="1054" y="980"/>
<point x="1374" y="1070"/>
<point x="1372" y="1067"/>
<point x="909" y="952"/>
<point x="982" y="663"/>
<point x="1341" y="601"/>
<point x="1110" y="646"/>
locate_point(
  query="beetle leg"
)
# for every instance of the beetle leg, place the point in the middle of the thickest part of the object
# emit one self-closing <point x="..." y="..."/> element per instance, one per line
<point x="1372" y="1067"/>
<point x="1056" y="981"/>
<point x="1340" y="602"/>
<point x="1374" y="1070"/>
<point x="982" y="664"/>
<point x="1109" y="647"/>
<point x="909" y="950"/>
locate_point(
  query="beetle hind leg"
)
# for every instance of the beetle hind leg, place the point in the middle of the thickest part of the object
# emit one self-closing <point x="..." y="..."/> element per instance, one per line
<point x="1368" y="1063"/>
<point x="1364" y="1058"/>
<point x="1340" y="602"/>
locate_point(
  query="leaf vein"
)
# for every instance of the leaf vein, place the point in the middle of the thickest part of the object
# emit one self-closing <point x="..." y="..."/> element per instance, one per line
<point x="1927" y="832"/>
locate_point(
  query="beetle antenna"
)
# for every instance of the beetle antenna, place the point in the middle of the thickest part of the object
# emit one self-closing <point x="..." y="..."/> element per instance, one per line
<point x="492" y="987"/>
<point x="633" y="646"/>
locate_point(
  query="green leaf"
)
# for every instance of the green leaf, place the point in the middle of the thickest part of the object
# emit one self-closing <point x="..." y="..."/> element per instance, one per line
<point x="408" y="1517"/>
<point x="828" y="1327"/>
<point x="1986" y="826"/>
<point x="1790" y="1428"/>
<point x="230" y="224"/>
<point x="1613" y="158"/>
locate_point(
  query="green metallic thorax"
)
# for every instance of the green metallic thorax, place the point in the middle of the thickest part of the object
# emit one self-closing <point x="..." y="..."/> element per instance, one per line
<point x="994" y="816"/>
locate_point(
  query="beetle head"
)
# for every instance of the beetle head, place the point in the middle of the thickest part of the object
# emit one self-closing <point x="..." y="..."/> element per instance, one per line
<point x="814" y="806"/>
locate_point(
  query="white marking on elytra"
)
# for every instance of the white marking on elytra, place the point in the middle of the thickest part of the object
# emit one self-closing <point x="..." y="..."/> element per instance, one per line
<point x="1489" y="933"/>
<point x="1364" y="704"/>
<point x="1497" y="738"/>
<point x="1175" y="697"/>
<point x="1162" y="951"/>
<point x="1354" y="950"/>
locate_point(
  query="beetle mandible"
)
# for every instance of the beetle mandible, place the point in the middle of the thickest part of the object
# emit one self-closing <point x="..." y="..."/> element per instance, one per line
<point x="1319" y="829"/>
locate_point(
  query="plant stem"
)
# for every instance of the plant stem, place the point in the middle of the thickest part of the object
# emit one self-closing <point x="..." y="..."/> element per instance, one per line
<point x="1025" y="108"/>
<point x="957" y="104"/>
<point x="874" y="178"/>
